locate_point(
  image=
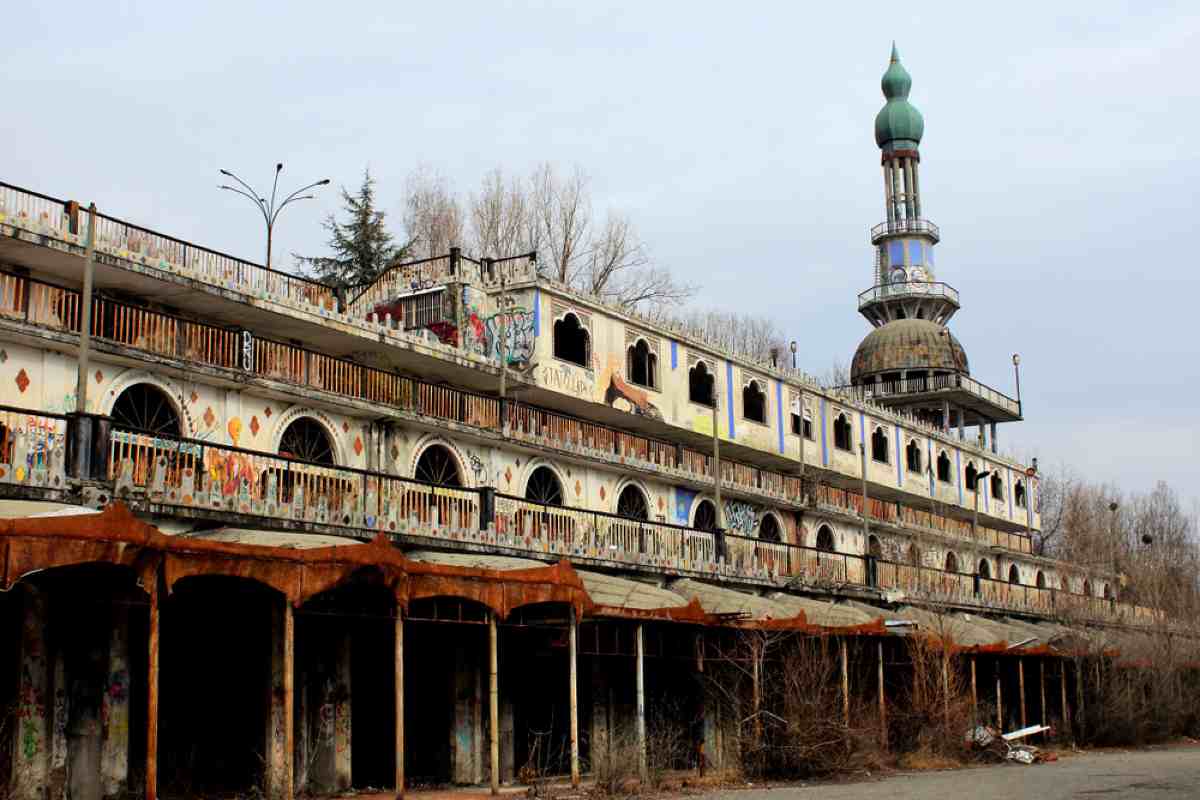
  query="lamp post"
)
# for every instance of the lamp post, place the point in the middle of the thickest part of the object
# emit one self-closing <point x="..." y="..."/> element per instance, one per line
<point x="1017" y="372"/>
<point x="270" y="210"/>
<point x="793" y="347"/>
<point x="975" y="523"/>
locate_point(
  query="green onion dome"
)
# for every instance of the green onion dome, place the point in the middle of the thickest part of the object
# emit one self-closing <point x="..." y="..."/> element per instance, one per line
<point x="898" y="121"/>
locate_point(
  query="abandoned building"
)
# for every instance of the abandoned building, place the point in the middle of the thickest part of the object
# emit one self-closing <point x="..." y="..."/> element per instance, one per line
<point x="465" y="521"/>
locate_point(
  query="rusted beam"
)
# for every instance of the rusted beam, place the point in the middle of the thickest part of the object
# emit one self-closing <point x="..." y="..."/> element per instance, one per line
<point x="152" y="696"/>
<point x="399" y="659"/>
<point x="494" y="702"/>
<point x="573" y="637"/>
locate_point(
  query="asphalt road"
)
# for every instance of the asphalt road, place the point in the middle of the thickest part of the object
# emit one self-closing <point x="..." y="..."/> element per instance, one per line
<point x="1165" y="774"/>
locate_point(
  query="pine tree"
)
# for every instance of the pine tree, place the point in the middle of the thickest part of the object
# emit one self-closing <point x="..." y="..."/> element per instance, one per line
<point x="362" y="246"/>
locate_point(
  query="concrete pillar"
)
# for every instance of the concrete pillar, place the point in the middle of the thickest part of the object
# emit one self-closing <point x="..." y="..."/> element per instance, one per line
<point x="466" y="733"/>
<point x="916" y="185"/>
<point x="114" y="753"/>
<point x="341" y="711"/>
<point x="152" y="695"/>
<point x="602" y="716"/>
<point x="31" y="734"/>
<point x="887" y="194"/>
<point x="640" y="647"/>
<point x="909" y="190"/>
<point x="493" y="705"/>
<point x="60" y="714"/>
<point x="573" y="635"/>
<point x="993" y="437"/>
<point x="399" y="712"/>
<point x="280" y="766"/>
<point x="946" y="415"/>
<point x="961" y="434"/>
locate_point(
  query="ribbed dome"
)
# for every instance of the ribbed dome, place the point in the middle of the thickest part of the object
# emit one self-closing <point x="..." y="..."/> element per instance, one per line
<point x="908" y="344"/>
<point x="899" y="119"/>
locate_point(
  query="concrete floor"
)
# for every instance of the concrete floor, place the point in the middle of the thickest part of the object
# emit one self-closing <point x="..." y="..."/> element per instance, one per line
<point x="1165" y="774"/>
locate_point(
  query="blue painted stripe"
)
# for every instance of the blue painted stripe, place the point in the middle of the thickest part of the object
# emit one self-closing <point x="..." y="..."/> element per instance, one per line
<point x="824" y="437"/>
<point x="779" y="412"/>
<point x="1010" y="492"/>
<point x="862" y="429"/>
<point x="930" y="464"/>
<point x="674" y="355"/>
<point x="537" y="311"/>
<point x="958" y="469"/>
<point x="899" y="466"/>
<point x="729" y="396"/>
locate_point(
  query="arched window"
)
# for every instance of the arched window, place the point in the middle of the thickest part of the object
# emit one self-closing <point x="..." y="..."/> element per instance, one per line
<point x="307" y="440"/>
<point x="841" y="432"/>
<point x="705" y="518"/>
<point x="571" y="341"/>
<point x="1087" y="588"/>
<point x="825" y="539"/>
<point x="985" y="569"/>
<point x="997" y="486"/>
<point x="1014" y="575"/>
<point x="754" y="403"/>
<point x="879" y="446"/>
<point x="1019" y="494"/>
<point x="437" y="465"/>
<point x="1041" y="579"/>
<point x="632" y="503"/>
<point x="951" y="563"/>
<point x="1106" y="592"/>
<point x="145" y="407"/>
<point x="642" y="365"/>
<point x="768" y="529"/>
<point x="544" y="487"/>
<point x="943" y="467"/>
<point x="972" y="477"/>
<point x="701" y="385"/>
<point x="913" y="456"/>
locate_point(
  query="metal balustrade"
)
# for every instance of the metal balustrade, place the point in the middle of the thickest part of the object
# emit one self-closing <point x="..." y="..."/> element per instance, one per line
<point x="32" y="448"/>
<point x="910" y="225"/>
<point x="906" y="289"/>
<point x="931" y="383"/>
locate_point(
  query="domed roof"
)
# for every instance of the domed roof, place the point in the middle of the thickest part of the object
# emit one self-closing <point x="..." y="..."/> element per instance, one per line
<point x="899" y="119"/>
<point x="908" y="344"/>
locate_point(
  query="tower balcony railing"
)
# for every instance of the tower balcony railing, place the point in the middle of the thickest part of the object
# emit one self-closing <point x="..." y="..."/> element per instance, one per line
<point x="932" y="383"/>
<point x="908" y="290"/>
<point x="910" y="225"/>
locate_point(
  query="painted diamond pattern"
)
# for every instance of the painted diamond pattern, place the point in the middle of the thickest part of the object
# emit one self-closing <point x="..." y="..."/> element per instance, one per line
<point x="254" y="425"/>
<point x="267" y="411"/>
<point x="209" y="417"/>
<point x="358" y="445"/>
<point x="195" y="397"/>
<point x="22" y="381"/>
<point x="99" y="376"/>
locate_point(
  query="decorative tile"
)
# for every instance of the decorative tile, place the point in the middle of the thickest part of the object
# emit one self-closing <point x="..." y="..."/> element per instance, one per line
<point x="345" y="427"/>
<point x="358" y="445"/>
<point x="194" y="398"/>
<point x="602" y="493"/>
<point x="209" y="417"/>
<point x="99" y="376"/>
<point x="578" y="488"/>
<point x="22" y="380"/>
<point x="267" y="412"/>
<point x="254" y="425"/>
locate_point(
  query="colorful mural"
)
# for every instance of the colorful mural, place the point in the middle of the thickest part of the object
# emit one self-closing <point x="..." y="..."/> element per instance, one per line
<point x="509" y="331"/>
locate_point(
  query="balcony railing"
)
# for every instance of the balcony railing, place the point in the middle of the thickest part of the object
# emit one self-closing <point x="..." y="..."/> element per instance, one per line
<point x="904" y="226"/>
<point x="47" y="216"/>
<point x="932" y="383"/>
<point x="907" y="290"/>
<point x="33" y="448"/>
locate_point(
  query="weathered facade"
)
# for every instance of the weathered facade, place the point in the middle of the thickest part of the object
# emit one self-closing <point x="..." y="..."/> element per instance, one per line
<point x="349" y="537"/>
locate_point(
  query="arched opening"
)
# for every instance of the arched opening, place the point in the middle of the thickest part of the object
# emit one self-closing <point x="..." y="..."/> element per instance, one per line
<point x="997" y="487"/>
<point x="705" y="518"/>
<point x="642" y="365"/>
<point x="879" y="446"/>
<point x="1014" y="575"/>
<point x="701" y="388"/>
<point x="985" y="569"/>
<point x="306" y="439"/>
<point x="951" y="563"/>
<point x="841" y="432"/>
<point x="631" y="503"/>
<point x="754" y="403"/>
<point x="913" y="456"/>
<point x="437" y="465"/>
<point x="972" y="477"/>
<point x="1087" y="588"/>
<point x="825" y="539"/>
<point x="544" y="487"/>
<point x="1106" y="592"/>
<point x="943" y="467"/>
<point x="768" y="529"/>
<point x="571" y="341"/>
<point x="874" y="548"/>
<point x="1040" y="580"/>
<point x="147" y="408"/>
<point x="1019" y="494"/>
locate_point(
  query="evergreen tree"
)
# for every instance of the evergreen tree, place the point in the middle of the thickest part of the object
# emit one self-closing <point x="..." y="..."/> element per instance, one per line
<point x="362" y="246"/>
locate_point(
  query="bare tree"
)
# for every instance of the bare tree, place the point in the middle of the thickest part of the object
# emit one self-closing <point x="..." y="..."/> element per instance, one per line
<point x="501" y="222"/>
<point x="745" y="334"/>
<point x="433" y="216"/>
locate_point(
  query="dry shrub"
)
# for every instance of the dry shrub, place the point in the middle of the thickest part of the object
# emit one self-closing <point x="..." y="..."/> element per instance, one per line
<point x="933" y="714"/>
<point x="669" y="747"/>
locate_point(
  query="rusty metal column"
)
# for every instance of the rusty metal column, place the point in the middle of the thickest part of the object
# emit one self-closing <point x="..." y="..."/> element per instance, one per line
<point x="1079" y="717"/>
<point x="999" y="699"/>
<point x="974" y="695"/>
<point x="640" y="651"/>
<point x="85" y="313"/>
<point x="152" y="696"/>
<point x="573" y="641"/>
<point x="1021" y="684"/>
<point x="1042" y="682"/>
<point x="289" y="670"/>
<point x="1066" y="710"/>
<point x="399" y="657"/>
<point x="845" y="684"/>
<point x="494" y="703"/>
<point x="887" y="194"/>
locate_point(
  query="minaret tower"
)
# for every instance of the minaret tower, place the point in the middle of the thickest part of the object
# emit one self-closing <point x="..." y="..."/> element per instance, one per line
<point x="904" y="283"/>
<point x="911" y="361"/>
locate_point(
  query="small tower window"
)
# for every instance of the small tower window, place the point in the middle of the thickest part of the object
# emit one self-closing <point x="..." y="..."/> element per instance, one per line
<point x="951" y="563"/>
<point x="825" y="539"/>
<point x="571" y="341"/>
<point x="985" y="569"/>
<point x="1019" y="494"/>
<point x="972" y="478"/>
<point x="643" y="365"/>
<point x="701" y="389"/>
<point x="913" y="456"/>
<point x="943" y="467"/>
<point x="997" y="486"/>
<point x="768" y="529"/>
<point x="754" y="403"/>
<point x="879" y="446"/>
<point x="1014" y="575"/>
<point x="841" y="432"/>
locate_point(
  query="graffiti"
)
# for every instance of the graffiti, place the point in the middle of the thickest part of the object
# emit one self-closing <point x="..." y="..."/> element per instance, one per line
<point x="31" y="741"/>
<point x="477" y="467"/>
<point x="740" y="518"/>
<point x="683" y="505"/>
<point x="639" y="401"/>
<point x="509" y="331"/>
<point x="563" y="378"/>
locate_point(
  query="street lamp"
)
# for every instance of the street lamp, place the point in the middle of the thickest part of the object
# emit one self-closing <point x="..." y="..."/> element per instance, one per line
<point x="269" y="209"/>
<point x="1017" y="371"/>
<point x="793" y="347"/>
<point x="975" y="523"/>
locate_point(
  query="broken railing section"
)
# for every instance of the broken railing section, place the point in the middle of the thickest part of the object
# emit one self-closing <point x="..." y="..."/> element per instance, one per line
<point x="33" y="448"/>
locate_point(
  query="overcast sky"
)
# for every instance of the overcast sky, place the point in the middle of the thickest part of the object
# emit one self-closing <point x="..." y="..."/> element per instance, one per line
<point x="1060" y="159"/>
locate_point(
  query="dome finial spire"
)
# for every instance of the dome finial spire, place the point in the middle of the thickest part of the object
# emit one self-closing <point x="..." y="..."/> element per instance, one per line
<point x="895" y="54"/>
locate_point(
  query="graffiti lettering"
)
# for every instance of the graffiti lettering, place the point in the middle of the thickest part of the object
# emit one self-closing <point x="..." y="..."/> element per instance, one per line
<point x="740" y="518"/>
<point x="563" y="378"/>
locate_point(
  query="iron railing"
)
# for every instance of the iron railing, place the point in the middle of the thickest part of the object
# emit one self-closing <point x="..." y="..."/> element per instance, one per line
<point x="931" y="383"/>
<point x="908" y="289"/>
<point x="33" y="447"/>
<point x="912" y="225"/>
